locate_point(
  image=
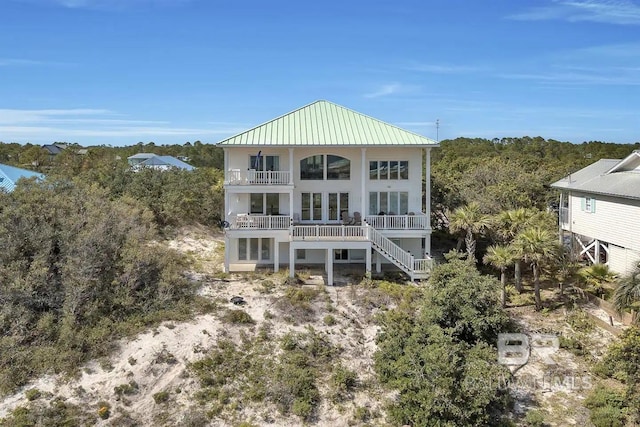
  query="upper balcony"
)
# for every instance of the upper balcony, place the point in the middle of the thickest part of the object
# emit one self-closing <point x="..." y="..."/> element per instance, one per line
<point x="398" y="222"/>
<point x="256" y="177"/>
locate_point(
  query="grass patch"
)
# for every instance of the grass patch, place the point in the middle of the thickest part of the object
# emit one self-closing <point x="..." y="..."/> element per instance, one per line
<point x="238" y="317"/>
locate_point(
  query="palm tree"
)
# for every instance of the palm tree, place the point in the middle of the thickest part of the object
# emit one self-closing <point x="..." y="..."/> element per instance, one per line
<point x="509" y="224"/>
<point x="467" y="221"/>
<point x="537" y="246"/>
<point x="596" y="277"/>
<point x="501" y="257"/>
<point x="627" y="294"/>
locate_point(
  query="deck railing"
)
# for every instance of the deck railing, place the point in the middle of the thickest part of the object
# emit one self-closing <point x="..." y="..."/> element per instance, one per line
<point x="422" y="265"/>
<point x="260" y="222"/>
<point x="391" y="249"/>
<point x="398" y="222"/>
<point x="328" y="232"/>
<point x="255" y="177"/>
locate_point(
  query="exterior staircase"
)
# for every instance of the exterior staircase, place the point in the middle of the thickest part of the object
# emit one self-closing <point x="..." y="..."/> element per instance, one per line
<point x="416" y="269"/>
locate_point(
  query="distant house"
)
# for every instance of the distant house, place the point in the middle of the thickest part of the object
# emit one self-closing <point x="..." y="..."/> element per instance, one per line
<point x="9" y="176"/>
<point x="54" y="149"/>
<point x="150" y="160"/>
<point x="600" y="212"/>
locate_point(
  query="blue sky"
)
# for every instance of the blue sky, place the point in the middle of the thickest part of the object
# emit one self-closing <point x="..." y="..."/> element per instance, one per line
<point x="169" y="71"/>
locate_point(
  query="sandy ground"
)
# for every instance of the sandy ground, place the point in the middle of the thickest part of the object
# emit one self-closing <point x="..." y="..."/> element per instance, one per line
<point x="157" y="359"/>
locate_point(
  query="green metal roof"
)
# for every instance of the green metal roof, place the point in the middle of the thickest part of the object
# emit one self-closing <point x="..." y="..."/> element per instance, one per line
<point x="326" y="123"/>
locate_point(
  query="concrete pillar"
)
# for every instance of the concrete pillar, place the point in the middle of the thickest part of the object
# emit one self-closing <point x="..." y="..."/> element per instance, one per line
<point x="329" y="267"/>
<point x="276" y="255"/>
<point x="368" y="258"/>
<point x="290" y="166"/>
<point x="597" y="251"/>
<point x="378" y="262"/>
<point x="292" y="260"/>
<point x="363" y="186"/>
<point x="427" y="245"/>
<point x="226" y="254"/>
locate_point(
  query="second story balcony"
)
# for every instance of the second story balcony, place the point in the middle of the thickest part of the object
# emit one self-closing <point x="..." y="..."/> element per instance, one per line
<point x="398" y="222"/>
<point x="256" y="177"/>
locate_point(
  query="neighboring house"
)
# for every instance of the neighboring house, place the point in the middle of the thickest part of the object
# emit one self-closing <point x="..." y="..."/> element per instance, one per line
<point x="326" y="184"/>
<point x="600" y="212"/>
<point x="9" y="176"/>
<point x="150" y="160"/>
<point x="54" y="149"/>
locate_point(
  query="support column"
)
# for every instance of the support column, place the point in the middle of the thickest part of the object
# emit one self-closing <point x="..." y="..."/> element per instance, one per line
<point x="276" y="255"/>
<point x="427" y="246"/>
<point x="368" y="258"/>
<point x="596" y="252"/>
<point x="329" y="267"/>
<point x="427" y="185"/>
<point x="378" y="262"/>
<point x="226" y="164"/>
<point x="226" y="254"/>
<point x="290" y="166"/>
<point x="292" y="260"/>
<point x="363" y="184"/>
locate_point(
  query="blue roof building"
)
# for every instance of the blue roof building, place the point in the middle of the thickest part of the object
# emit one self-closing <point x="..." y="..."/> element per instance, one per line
<point x="9" y="176"/>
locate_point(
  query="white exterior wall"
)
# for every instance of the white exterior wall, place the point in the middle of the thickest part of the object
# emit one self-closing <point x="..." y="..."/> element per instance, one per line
<point x="238" y="158"/>
<point x="623" y="261"/>
<point x="615" y="220"/>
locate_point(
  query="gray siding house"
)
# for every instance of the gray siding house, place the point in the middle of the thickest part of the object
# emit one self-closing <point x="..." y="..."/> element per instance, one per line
<point x="600" y="212"/>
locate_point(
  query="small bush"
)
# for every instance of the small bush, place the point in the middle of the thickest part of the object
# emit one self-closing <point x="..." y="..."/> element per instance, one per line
<point x="104" y="410"/>
<point x="580" y="321"/>
<point x="329" y="320"/>
<point x="164" y="356"/>
<point x="607" y="406"/>
<point x="161" y="397"/>
<point x="238" y="317"/>
<point x="33" y="394"/>
<point x="126" y="389"/>
<point x="343" y="381"/>
<point x="534" y="418"/>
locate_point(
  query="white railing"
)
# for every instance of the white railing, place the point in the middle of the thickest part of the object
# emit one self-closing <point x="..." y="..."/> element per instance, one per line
<point x="254" y="177"/>
<point x="391" y="250"/>
<point x="328" y="232"/>
<point x="422" y="265"/>
<point x="260" y="222"/>
<point x="398" y="222"/>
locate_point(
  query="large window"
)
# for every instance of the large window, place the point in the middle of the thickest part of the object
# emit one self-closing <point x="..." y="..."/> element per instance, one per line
<point x="338" y="203"/>
<point x="265" y="203"/>
<point x="311" y="206"/>
<point x="388" y="203"/>
<point x="321" y="167"/>
<point x="264" y="163"/>
<point x="254" y="249"/>
<point x="385" y="169"/>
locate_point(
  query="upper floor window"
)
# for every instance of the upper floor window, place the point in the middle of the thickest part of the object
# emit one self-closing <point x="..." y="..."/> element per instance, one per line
<point x="264" y="163"/>
<point x="589" y="204"/>
<point x="389" y="169"/>
<point x="322" y="166"/>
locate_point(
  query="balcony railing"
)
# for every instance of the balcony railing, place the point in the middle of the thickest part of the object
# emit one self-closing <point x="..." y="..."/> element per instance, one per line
<point x="260" y="222"/>
<point x="398" y="222"/>
<point x="254" y="177"/>
<point x="328" y="232"/>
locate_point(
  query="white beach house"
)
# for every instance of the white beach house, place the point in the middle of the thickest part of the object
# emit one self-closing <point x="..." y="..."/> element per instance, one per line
<point x="323" y="185"/>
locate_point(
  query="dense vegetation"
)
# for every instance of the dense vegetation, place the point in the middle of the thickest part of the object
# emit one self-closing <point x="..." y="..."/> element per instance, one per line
<point x="77" y="270"/>
<point x="440" y="352"/>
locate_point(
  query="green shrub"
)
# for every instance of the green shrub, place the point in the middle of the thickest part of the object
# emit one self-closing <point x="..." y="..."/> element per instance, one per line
<point x="534" y="418"/>
<point x="607" y="406"/>
<point x="238" y="317"/>
<point x="33" y="394"/>
<point x="329" y="320"/>
<point x="342" y="382"/>
<point x="161" y="397"/>
<point x="580" y="320"/>
<point x="126" y="389"/>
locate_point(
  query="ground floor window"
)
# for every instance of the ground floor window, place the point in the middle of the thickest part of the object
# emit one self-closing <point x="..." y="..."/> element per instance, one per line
<point x="349" y="254"/>
<point x="254" y="249"/>
<point x="301" y="254"/>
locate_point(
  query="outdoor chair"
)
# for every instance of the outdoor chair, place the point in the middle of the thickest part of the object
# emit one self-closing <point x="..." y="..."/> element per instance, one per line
<point x="346" y="219"/>
<point x="357" y="218"/>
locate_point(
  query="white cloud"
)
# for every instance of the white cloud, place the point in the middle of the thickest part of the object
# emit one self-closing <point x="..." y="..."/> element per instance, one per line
<point x="620" y="12"/>
<point x="46" y="125"/>
<point x="391" y="89"/>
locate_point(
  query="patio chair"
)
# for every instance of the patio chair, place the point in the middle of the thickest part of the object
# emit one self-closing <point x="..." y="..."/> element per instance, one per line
<point x="346" y="219"/>
<point x="357" y="218"/>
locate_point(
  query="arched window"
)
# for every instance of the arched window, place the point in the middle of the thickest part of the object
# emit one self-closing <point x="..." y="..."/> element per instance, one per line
<point x="322" y="166"/>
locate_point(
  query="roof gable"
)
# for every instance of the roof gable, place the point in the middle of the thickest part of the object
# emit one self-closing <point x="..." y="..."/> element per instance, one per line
<point x="323" y="123"/>
<point x="628" y="164"/>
